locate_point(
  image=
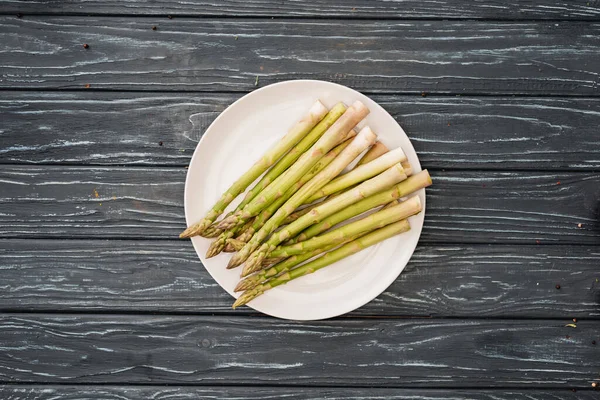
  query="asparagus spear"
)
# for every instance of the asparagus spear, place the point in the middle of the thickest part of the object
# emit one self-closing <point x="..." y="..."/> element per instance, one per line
<point x="353" y="115"/>
<point x="300" y="129"/>
<point x="363" y="140"/>
<point x="375" y="151"/>
<point x="402" y="189"/>
<point x="360" y="173"/>
<point x="264" y="216"/>
<point x="344" y="251"/>
<point x="285" y="265"/>
<point x="376" y="220"/>
<point x="387" y="178"/>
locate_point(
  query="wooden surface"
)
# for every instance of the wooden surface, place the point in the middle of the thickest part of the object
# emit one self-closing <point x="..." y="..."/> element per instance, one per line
<point x="98" y="299"/>
<point x="375" y="56"/>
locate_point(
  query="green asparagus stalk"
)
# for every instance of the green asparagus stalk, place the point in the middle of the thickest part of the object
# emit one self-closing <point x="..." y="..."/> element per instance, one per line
<point x="334" y="135"/>
<point x="264" y="216"/>
<point x="360" y="173"/>
<point x="284" y="265"/>
<point x="375" y="151"/>
<point x="376" y="220"/>
<point x="363" y="140"/>
<point x="402" y="189"/>
<point x="384" y="180"/>
<point x="329" y="258"/>
<point x="300" y="129"/>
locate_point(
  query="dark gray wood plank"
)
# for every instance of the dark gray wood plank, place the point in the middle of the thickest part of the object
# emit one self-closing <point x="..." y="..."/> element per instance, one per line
<point x="65" y="392"/>
<point x="164" y="129"/>
<point x="167" y="276"/>
<point x="261" y="351"/>
<point x="462" y="206"/>
<point x="543" y="9"/>
<point x="375" y="56"/>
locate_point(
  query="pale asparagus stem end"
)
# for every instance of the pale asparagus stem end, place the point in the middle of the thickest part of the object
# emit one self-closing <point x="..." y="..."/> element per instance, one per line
<point x="408" y="170"/>
<point x="375" y="151"/>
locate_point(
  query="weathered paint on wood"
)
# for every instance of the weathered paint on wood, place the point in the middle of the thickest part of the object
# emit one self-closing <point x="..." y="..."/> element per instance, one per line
<point x="374" y="56"/>
<point x="260" y="351"/>
<point x="409" y="50"/>
<point x="66" y="392"/>
<point x="167" y="276"/>
<point x="406" y="9"/>
<point x="462" y="206"/>
<point x="164" y="129"/>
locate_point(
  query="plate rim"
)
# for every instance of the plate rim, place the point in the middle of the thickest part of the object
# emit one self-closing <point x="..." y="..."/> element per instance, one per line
<point x="351" y="305"/>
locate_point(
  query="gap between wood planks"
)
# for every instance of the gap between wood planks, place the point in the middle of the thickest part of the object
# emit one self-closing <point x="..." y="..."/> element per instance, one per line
<point x="251" y="314"/>
<point x="242" y="92"/>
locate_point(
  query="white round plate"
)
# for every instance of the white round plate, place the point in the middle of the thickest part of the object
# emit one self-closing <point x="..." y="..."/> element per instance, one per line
<point x="236" y="139"/>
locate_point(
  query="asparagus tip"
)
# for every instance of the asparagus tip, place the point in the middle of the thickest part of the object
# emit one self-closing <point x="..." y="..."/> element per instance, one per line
<point x="237" y="245"/>
<point x="215" y="248"/>
<point x="254" y="262"/>
<point x="234" y="262"/>
<point x="240" y="286"/>
<point x="244" y="298"/>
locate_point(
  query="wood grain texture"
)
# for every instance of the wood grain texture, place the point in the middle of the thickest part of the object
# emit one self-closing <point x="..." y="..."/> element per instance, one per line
<point x="65" y="392"/>
<point x="462" y="206"/>
<point x="217" y="350"/>
<point x="167" y="276"/>
<point x="374" y="56"/>
<point x="163" y="129"/>
<point x="406" y="9"/>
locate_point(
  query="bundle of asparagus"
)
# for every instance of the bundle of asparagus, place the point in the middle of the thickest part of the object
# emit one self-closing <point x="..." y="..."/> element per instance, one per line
<point x="301" y="215"/>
